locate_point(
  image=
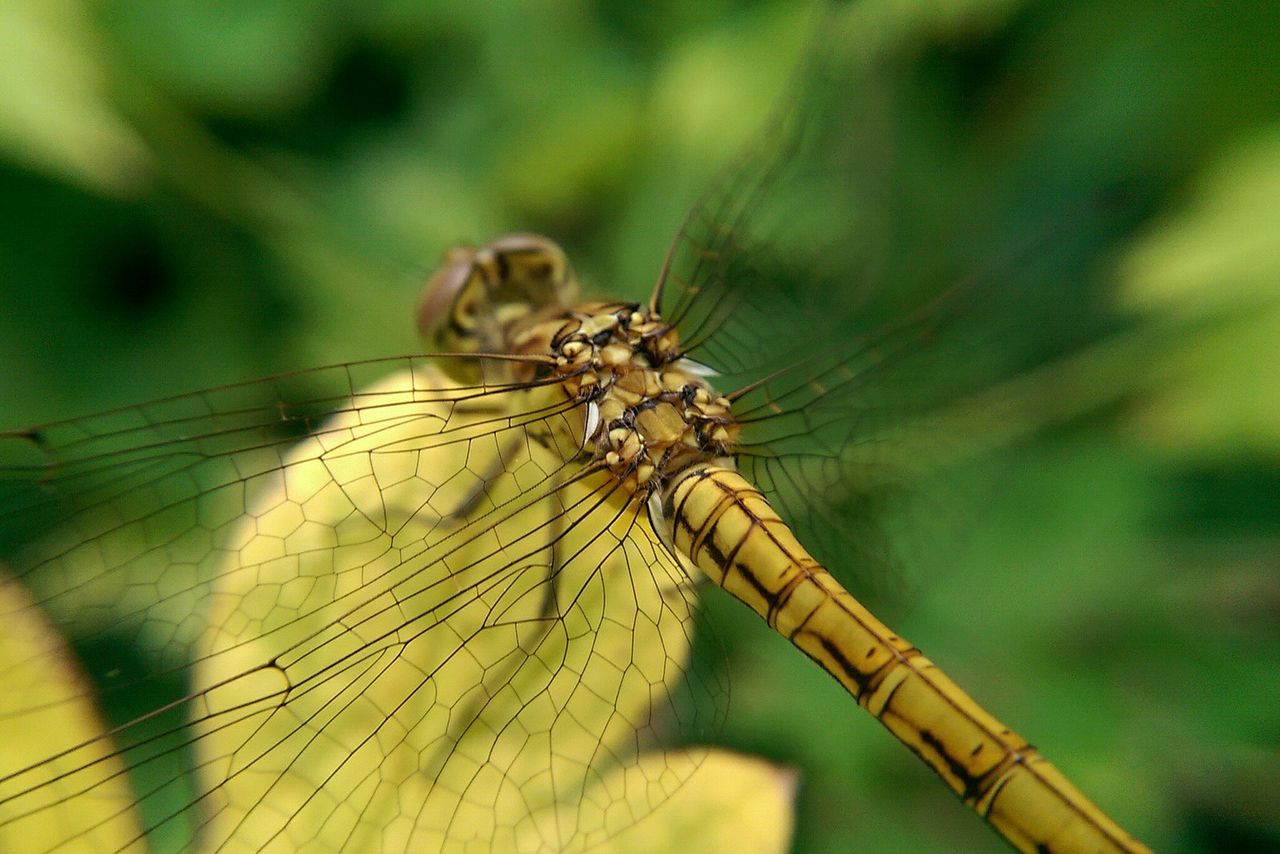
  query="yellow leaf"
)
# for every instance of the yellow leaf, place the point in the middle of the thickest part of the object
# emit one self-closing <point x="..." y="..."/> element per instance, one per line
<point x="427" y="631"/>
<point x="731" y="803"/>
<point x="82" y="793"/>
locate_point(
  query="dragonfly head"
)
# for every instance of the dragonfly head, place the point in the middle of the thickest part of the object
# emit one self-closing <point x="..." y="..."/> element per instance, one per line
<point x="474" y="299"/>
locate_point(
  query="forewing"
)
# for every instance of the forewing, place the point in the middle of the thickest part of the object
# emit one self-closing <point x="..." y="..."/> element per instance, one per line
<point x="411" y="624"/>
<point x="866" y="340"/>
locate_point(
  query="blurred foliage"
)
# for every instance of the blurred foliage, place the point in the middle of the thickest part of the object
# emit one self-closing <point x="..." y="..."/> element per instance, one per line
<point x="198" y="192"/>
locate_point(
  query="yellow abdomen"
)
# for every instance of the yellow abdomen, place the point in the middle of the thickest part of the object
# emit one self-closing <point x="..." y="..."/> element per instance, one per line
<point x="727" y="528"/>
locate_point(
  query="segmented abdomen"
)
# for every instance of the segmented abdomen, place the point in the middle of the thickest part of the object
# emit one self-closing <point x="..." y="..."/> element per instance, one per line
<point x="727" y="528"/>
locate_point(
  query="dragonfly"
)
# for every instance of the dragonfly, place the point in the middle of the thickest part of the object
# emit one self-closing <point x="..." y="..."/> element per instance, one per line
<point x="447" y="601"/>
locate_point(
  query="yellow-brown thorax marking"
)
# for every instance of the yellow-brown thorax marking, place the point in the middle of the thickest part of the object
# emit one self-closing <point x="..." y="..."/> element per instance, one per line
<point x="648" y="412"/>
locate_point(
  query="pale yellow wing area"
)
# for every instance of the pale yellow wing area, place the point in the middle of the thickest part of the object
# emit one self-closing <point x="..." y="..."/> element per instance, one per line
<point x="428" y="634"/>
<point x="47" y="710"/>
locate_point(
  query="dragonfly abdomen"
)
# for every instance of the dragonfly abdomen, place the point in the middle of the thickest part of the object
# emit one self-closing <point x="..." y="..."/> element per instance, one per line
<point x="730" y="532"/>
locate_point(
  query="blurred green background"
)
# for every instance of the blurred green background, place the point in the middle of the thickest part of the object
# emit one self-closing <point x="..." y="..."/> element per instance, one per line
<point x="196" y="193"/>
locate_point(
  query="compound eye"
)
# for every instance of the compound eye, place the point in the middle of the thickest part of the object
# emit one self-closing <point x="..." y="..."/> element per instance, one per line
<point x="443" y="288"/>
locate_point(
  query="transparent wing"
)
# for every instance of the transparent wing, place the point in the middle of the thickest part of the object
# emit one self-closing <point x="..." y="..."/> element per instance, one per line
<point x="414" y="623"/>
<point x="851" y="325"/>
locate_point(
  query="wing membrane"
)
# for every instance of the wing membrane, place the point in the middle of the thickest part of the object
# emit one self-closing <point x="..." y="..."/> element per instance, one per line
<point x="420" y="625"/>
<point x="847" y="370"/>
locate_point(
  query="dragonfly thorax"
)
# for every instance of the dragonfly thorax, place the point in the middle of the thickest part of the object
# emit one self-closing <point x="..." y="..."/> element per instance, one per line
<point x="650" y="412"/>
